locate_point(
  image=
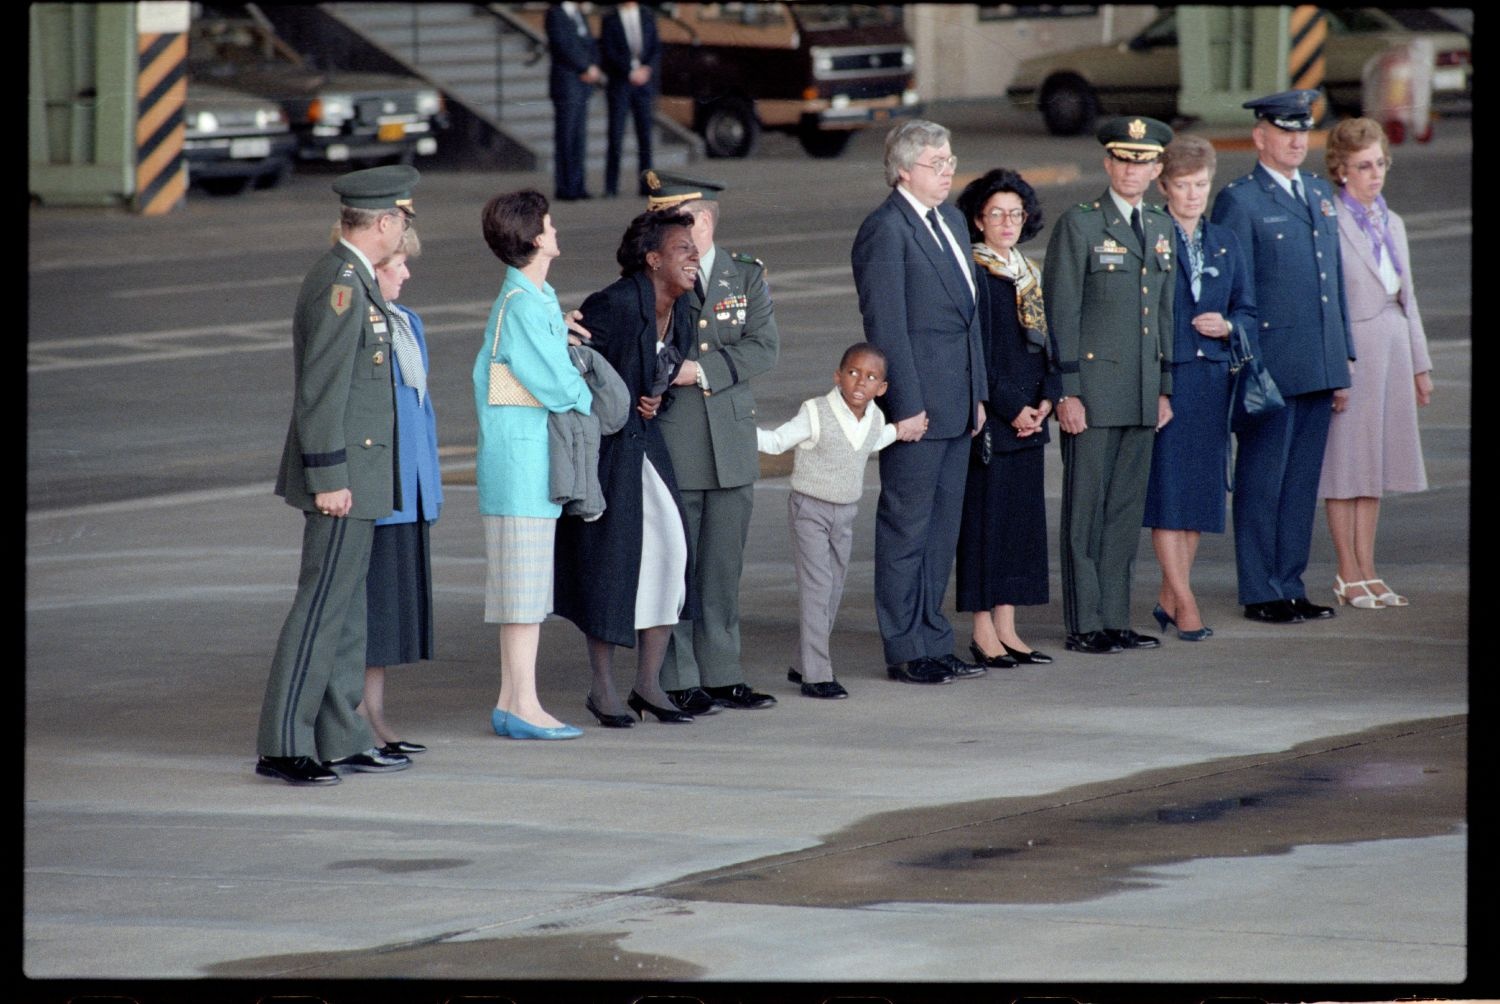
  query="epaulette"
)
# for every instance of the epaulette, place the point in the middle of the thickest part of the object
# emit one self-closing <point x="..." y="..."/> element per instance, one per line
<point x="347" y="270"/>
<point x="1088" y="207"/>
<point x="748" y="259"/>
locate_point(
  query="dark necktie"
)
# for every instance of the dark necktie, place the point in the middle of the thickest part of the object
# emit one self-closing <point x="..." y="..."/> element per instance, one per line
<point x="1135" y="224"/>
<point x="1297" y="191"/>
<point x="937" y="230"/>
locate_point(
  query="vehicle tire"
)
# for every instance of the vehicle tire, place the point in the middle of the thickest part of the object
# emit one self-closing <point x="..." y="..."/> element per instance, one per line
<point x="823" y="142"/>
<point x="1068" y="106"/>
<point x="730" y="128"/>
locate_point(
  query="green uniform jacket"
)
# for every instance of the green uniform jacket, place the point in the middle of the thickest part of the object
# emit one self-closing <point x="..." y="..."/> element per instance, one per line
<point x="1111" y="311"/>
<point x="343" y="428"/>
<point x="711" y="434"/>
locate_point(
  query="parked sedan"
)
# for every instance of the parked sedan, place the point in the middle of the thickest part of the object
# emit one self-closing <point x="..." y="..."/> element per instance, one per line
<point x="1140" y="75"/>
<point x="235" y="139"/>
<point x="335" y="116"/>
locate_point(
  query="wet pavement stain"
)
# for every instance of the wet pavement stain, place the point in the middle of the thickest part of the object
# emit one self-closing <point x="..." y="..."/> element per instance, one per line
<point x="400" y="866"/>
<point x="543" y="957"/>
<point x="1397" y="781"/>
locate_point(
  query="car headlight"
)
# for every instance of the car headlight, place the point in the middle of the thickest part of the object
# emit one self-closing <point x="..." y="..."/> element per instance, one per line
<point x="332" y="109"/>
<point x="908" y="57"/>
<point x="822" y="63"/>
<point x="268" y="117"/>
<point x="207" y="122"/>
<point x="429" y="103"/>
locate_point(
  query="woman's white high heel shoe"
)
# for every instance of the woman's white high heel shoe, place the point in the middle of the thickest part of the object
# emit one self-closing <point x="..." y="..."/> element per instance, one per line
<point x="1363" y="600"/>
<point x="1385" y="594"/>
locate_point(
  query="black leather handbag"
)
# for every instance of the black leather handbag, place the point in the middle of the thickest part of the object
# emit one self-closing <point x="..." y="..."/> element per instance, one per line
<point x="1252" y="392"/>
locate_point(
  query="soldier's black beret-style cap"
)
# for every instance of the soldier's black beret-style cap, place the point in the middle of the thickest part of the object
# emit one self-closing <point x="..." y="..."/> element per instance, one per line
<point x="386" y="187"/>
<point x="1290" y="110"/>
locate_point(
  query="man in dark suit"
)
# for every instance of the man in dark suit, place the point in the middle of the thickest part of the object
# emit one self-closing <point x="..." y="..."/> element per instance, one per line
<point x="1109" y="284"/>
<point x="339" y="467"/>
<point x="575" y="72"/>
<point x="631" y="49"/>
<point x="916" y="295"/>
<point x="1286" y="222"/>
<point x="709" y="428"/>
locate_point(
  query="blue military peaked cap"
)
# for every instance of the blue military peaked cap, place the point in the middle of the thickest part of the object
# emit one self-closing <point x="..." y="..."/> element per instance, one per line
<point x="387" y="187"/>
<point x="1290" y="110"/>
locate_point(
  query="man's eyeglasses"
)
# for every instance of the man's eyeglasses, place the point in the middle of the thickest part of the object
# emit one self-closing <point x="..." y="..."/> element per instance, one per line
<point x="405" y="220"/>
<point x="946" y="165"/>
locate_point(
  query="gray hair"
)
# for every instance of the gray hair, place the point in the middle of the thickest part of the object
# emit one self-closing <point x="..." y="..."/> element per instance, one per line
<point x="905" y="143"/>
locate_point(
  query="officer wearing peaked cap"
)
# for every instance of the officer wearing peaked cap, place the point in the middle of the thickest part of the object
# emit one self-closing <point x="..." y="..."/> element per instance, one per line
<point x="338" y="467"/>
<point x="1109" y="286"/>
<point x="709" y="427"/>
<point x="1285" y="220"/>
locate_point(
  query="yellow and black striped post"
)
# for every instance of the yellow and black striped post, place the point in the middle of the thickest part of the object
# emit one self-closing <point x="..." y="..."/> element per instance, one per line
<point x="1307" y="31"/>
<point x="160" y="92"/>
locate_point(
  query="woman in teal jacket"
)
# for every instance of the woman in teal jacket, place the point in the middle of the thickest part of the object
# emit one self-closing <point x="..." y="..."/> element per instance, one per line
<point x="512" y="465"/>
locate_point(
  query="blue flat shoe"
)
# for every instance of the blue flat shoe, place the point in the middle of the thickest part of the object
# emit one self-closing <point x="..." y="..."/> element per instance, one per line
<point x="1198" y="635"/>
<point x="498" y="721"/>
<point x="520" y="728"/>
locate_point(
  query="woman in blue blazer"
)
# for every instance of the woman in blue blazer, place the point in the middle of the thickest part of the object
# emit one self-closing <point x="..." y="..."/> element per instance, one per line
<point x="398" y="589"/>
<point x="1185" y="497"/>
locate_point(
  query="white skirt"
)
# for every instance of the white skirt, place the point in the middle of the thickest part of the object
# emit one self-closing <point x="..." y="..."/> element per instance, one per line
<point x="661" y="590"/>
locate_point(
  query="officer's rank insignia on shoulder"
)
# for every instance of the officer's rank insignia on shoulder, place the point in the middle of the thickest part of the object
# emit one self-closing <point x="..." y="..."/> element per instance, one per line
<point x="748" y="259"/>
<point x="339" y="297"/>
<point x="1088" y="207"/>
<point x="347" y="271"/>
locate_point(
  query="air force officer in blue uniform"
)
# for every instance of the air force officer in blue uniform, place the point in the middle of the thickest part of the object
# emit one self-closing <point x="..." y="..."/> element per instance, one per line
<point x="1286" y="222"/>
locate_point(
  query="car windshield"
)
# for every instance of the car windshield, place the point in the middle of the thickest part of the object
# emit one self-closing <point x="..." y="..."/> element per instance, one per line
<point x="827" y="16"/>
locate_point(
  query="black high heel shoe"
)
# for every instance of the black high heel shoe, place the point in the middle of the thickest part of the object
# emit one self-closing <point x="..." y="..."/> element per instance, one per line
<point x="992" y="661"/>
<point x="640" y="706"/>
<point x="608" y="721"/>
<point x="1032" y="658"/>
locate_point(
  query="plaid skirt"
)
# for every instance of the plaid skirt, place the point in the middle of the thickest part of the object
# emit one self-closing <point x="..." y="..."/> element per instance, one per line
<point x="518" y="586"/>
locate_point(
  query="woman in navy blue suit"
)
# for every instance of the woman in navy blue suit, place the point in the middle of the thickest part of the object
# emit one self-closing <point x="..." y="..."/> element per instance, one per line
<point x="1185" y="498"/>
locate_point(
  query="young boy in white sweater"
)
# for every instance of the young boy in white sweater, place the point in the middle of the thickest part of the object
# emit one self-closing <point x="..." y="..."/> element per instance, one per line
<point x="834" y="435"/>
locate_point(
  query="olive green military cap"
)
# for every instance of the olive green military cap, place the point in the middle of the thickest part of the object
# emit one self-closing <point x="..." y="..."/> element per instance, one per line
<point x="1134" y="138"/>
<point x="386" y="187"/>
<point x="664" y="190"/>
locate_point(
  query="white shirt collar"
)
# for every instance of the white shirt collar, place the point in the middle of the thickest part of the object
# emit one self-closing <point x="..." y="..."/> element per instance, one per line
<point x="854" y="428"/>
<point x="1125" y="207"/>
<point x="1284" y="181"/>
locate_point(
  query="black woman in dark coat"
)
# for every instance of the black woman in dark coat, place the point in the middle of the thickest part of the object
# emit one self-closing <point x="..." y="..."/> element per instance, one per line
<point x="1002" y="542"/>
<point x="624" y="578"/>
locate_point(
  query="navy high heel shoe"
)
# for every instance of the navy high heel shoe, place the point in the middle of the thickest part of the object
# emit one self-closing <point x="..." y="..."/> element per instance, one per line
<point x="1163" y="618"/>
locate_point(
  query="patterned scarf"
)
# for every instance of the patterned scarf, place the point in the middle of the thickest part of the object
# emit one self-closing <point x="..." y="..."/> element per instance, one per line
<point x="1028" y="281"/>
<point x="408" y="353"/>
<point x="1375" y="222"/>
<point x="1194" y="244"/>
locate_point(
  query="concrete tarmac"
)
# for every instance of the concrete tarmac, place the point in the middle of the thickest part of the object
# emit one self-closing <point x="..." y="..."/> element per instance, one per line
<point x="1275" y="812"/>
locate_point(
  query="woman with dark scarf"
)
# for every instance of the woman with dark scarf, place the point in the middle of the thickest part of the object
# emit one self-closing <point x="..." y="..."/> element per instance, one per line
<point x="1002" y="542"/>
<point x="1373" y="444"/>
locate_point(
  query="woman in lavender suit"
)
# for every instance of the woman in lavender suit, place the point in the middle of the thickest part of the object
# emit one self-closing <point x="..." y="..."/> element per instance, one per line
<point x="1373" y="445"/>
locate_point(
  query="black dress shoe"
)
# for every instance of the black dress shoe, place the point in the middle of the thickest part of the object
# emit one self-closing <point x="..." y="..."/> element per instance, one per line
<point x="1273" y="612"/>
<point x="372" y="761"/>
<point x="694" y="701"/>
<point x="828" y="690"/>
<point x="300" y="770"/>
<point x="1032" y="658"/>
<point x="1129" y="638"/>
<point x="961" y="670"/>
<point x="1003" y="661"/>
<point x="1310" y="611"/>
<point x="920" y="671"/>
<point x="402" y="747"/>
<point x="739" y="695"/>
<point x="1092" y="642"/>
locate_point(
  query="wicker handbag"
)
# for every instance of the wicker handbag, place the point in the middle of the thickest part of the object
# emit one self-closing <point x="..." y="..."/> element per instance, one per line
<point x="504" y="387"/>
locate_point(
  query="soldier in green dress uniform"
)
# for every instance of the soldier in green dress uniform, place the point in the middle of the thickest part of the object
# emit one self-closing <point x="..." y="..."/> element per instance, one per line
<point x="1108" y="282"/>
<point x="709" y="426"/>
<point x="339" y="467"/>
